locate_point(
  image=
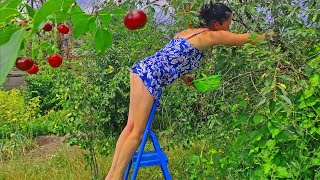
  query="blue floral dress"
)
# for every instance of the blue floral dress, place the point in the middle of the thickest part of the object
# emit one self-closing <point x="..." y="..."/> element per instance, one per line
<point x="177" y="58"/>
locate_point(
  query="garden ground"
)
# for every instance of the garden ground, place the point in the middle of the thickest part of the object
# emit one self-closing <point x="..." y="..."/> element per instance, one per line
<point x="51" y="158"/>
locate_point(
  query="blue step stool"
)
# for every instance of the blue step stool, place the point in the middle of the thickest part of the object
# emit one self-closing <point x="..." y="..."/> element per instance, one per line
<point x="143" y="158"/>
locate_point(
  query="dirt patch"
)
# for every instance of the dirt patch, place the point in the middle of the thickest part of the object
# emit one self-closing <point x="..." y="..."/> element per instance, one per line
<point x="46" y="146"/>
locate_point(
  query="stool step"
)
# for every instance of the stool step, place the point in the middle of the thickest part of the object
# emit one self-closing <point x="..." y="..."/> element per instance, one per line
<point x="150" y="158"/>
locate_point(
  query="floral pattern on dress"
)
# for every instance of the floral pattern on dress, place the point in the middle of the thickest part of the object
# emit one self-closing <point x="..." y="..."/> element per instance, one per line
<point x="177" y="58"/>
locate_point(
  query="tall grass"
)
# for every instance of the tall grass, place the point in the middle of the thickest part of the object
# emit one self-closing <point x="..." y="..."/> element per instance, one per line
<point x="69" y="163"/>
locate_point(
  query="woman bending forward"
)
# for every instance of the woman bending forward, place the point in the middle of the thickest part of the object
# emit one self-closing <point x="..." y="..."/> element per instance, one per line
<point x="179" y="57"/>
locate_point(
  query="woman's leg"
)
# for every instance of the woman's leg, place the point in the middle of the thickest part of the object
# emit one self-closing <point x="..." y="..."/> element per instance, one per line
<point x="123" y="136"/>
<point x="141" y="103"/>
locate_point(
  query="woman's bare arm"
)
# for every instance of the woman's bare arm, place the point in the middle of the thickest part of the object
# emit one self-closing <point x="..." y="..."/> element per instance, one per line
<point x="231" y="39"/>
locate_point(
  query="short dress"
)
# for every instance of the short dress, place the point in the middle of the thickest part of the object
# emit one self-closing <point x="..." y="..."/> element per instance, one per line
<point x="177" y="58"/>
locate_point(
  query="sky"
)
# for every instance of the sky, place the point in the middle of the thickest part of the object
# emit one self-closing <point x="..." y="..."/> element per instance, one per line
<point x="160" y="15"/>
<point x="87" y="6"/>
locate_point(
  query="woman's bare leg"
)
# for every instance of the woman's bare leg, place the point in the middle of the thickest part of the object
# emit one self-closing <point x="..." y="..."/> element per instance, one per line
<point x="141" y="103"/>
<point x="123" y="136"/>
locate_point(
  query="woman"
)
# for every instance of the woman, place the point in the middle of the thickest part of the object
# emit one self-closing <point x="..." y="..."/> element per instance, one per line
<point x="180" y="56"/>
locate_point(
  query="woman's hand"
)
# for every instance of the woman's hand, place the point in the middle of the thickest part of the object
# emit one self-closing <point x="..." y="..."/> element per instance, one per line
<point x="188" y="80"/>
<point x="269" y="34"/>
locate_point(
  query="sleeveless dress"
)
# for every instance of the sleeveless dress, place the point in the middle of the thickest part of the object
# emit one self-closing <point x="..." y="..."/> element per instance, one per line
<point x="177" y="58"/>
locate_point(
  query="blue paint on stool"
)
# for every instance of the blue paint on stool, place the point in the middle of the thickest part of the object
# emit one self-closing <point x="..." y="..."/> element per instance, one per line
<point x="143" y="158"/>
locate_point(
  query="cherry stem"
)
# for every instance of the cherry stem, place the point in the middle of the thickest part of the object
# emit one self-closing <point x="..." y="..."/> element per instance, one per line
<point x="55" y="35"/>
<point x="25" y="48"/>
<point x="32" y="48"/>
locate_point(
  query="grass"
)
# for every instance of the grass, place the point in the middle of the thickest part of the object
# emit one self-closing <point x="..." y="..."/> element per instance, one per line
<point x="68" y="163"/>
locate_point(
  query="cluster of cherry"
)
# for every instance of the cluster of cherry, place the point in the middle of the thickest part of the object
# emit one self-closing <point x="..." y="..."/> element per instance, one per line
<point x="54" y="60"/>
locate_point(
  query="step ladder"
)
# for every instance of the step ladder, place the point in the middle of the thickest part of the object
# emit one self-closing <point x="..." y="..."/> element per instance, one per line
<point x="143" y="158"/>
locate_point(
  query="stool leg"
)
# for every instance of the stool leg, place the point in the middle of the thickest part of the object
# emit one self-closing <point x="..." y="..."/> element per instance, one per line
<point x="137" y="163"/>
<point x="126" y="175"/>
<point x="155" y="141"/>
<point x="165" y="171"/>
<point x="157" y="147"/>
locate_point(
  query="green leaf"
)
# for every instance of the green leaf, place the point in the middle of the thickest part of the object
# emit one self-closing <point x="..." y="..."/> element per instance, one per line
<point x="307" y="123"/>
<point x="258" y="118"/>
<point x="118" y="11"/>
<point x="318" y="131"/>
<point x="35" y="51"/>
<point x="262" y="101"/>
<point x="5" y="33"/>
<point x="284" y="136"/>
<point x="46" y="9"/>
<point x="76" y="9"/>
<point x="58" y="16"/>
<point x="270" y="144"/>
<point x="239" y="119"/>
<point x="30" y="10"/>
<point x="9" y="52"/>
<point x="273" y="130"/>
<point x="287" y="77"/>
<point x="10" y="4"/>
<point x="67" y="5"/>
<point x="307" y="93"/>
<point x="76" y="18"/>
<point x="6" y="13"/>
<point x="105" y="19"/>
<point x="266" y="90"/>
<point x="48" y="48"/>
<point x="285" y="107"/>
<point x="315" y="80"/>
<point x="241" y="139"/>
<point x="318" y="110"/>
<point x="286" y="99"/>
<point x="283" y="172"/>
<point x="255" y="136"/>
<point x="244" y="103"/>
<point x="82" y="27"/>
<point x="93" y="27"/>
<point x="315" y="18"/>
<point x="314" y="63"/>
<point x="152" y="10"/>
<point x="309" y="102"/>
<point x="103" y="40"/>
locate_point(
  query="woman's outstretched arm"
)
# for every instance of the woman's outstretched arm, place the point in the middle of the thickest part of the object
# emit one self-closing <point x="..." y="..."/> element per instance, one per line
<point x="231" y="39"/>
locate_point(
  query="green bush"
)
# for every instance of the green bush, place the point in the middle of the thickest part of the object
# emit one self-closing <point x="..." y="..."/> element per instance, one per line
<point x="15" y="117"/>
<point x="43" y="85"/>
<point x="262" y="123"/>
<point x="15" y="109"/>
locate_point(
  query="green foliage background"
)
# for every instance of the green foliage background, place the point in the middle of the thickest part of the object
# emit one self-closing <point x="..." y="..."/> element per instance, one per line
<point x="262" y="123"/>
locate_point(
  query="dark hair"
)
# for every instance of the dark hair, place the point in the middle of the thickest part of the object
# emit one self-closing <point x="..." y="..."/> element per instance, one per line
<point x="214" y="12"/>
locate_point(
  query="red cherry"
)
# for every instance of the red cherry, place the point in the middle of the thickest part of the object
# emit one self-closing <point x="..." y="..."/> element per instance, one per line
<point x="281" y="67"/>
<point x="187" y="11"/>
<point x="24" y="64"/>
<point x="55" y="60"/>
<point x="64" y="29"/>
<point x="135" y="19"/>
<point x="21" y="24"/>
<point x="34" y="69"/>
<point x="47" y="27"/>
<point x="190" y="24"/>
